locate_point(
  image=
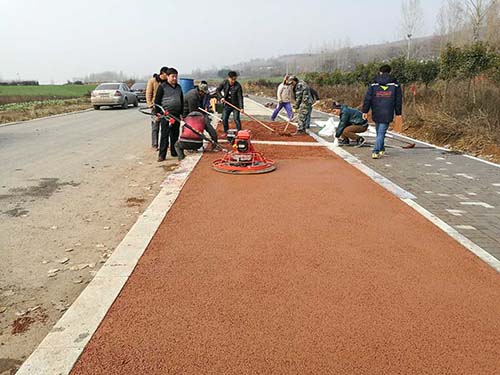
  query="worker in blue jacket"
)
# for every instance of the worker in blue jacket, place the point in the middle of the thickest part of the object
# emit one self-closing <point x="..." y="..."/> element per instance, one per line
<point x="384" y="97"/>
<point x="351" y="123"/>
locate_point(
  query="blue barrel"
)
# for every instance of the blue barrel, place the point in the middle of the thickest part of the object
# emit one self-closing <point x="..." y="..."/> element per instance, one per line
<point x="186" y="84"/>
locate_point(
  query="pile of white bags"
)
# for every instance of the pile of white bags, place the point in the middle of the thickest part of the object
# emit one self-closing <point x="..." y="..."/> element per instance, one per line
<point x="329" y="127"/>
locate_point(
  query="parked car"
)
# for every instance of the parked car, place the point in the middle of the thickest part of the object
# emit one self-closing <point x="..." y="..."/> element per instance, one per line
<point x="139" y="89"/>
<point x="112" y="95"/>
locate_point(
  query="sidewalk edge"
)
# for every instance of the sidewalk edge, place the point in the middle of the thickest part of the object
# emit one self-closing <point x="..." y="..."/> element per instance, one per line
<point x="63" y="345"/>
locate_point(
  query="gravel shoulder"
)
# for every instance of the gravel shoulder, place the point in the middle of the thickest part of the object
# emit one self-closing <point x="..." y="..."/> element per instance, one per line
<point x="70" y="189"/>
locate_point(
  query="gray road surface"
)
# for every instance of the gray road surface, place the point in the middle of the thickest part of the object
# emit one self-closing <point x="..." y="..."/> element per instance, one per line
<point x="70" y="188"/>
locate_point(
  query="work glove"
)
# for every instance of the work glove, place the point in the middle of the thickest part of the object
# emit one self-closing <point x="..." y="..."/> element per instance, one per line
<point x="294" y="110"/>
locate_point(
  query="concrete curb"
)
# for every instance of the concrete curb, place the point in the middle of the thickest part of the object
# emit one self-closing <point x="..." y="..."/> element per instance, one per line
<point x="61" y="348"/>
<point x="46" y="117"/>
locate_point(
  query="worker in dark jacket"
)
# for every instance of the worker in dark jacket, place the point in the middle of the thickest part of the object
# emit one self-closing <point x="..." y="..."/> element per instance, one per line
<point x="169" y="96"/>
<point x="189" y="140"/>
<point x="194" y="99"/>
<point x="384" y="97"/>
<point x="351" y="123"/>
<point x="230" y="91"/>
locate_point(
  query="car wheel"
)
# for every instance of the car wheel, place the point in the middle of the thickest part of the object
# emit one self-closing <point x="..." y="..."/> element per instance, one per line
<point x="97" y="107"/>
<point x="125" y="103"/>
<point x="136" y="103"/>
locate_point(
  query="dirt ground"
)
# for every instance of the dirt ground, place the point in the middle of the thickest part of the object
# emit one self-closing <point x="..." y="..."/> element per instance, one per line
<point x="51" y="255"/>
<point x="262" y="134"/>
<point x="298" y="275"/>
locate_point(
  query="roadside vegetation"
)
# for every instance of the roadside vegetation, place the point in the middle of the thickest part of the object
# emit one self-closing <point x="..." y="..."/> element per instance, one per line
<point x="19" y="103"/>
<point x="452" y="101"/>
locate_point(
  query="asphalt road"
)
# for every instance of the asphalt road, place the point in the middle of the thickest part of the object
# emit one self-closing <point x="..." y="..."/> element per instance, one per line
<point x="70" y="188"/>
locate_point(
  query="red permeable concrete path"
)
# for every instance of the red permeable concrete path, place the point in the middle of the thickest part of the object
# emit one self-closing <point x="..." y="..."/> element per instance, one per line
<point x="311" y="269"/>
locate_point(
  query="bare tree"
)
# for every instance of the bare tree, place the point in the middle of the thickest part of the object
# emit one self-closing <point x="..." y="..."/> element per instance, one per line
<point x="451" y="21"/>
<point x="477" y="12"/>
<point x="412" y="17"/>
<point x="493" y="23"/>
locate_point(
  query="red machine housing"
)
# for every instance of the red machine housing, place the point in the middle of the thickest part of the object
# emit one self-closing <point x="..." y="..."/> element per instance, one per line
<point x="243" y="158"/>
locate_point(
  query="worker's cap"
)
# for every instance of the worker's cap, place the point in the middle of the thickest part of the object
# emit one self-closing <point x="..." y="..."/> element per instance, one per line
<point x="292" y="78"/>
<point x="203" y="87"/>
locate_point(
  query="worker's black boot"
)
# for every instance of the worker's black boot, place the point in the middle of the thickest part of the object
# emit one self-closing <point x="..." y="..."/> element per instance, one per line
<point x="344" y="142"/>
<point x="180" y="151"/>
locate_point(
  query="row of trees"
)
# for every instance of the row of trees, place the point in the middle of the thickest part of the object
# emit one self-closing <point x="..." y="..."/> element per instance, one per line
<point x="465" y="62"/>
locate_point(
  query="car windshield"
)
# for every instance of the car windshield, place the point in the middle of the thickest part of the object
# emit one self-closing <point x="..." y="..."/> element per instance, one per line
<point x="138" y="86"/>
<point x="108" y="86"/>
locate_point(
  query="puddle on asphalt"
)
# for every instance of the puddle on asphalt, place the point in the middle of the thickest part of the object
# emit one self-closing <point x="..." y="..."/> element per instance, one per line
<point x="16" y="212"/>
<point x="134" y="202"/>
<point x="45" y="189"/>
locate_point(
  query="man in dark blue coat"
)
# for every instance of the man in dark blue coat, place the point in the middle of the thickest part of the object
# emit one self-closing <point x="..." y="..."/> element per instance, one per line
<point x="384" y="97"/>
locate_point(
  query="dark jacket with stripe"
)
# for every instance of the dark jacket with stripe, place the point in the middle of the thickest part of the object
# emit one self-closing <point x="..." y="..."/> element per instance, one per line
<point x="384" y="97"/>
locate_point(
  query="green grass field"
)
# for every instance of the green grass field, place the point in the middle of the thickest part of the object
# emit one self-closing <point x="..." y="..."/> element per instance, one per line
<point x="69" y="91"/>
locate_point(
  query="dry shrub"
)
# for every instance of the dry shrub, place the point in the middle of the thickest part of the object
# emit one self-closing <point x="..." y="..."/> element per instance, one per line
<point x="442" y="113"/>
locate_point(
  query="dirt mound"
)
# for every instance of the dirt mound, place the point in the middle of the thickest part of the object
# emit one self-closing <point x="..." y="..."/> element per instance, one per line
<point x="293" y="152"/>
<point x="260" y="133"/>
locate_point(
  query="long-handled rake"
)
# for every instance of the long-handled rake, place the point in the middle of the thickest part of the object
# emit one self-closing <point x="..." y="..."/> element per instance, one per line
<point x="250" y="116"/>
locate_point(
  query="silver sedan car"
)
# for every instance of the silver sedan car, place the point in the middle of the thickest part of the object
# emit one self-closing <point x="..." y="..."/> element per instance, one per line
<point x="113" y="94"/>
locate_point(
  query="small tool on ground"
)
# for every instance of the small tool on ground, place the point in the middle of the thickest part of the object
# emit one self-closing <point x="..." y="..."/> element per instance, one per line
<point x="407" y="144"/>
<point x="290" y="121"/>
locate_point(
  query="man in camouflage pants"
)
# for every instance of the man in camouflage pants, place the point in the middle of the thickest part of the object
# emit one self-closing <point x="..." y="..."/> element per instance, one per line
<point x="303" y="102"/>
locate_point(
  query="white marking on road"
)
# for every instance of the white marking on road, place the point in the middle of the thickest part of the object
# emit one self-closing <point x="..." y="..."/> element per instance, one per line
<point x="452" y="232"/>
<point x="61" y="348"/>
<point x="472" y="194"/>
<point x="465" y="175"/>
<point x="462" y="197"/>
<point x="482" y="160"/>
<point x="482" y="204"/>
<point x="443" y="195"/>
<point x="428" y="165"/>
<point x="440" y="158"/>
<point x="456" y="212"/>
<point x="449" y="163"/>
<point x="465" y="227"/>
<point x="496" y="184"/>
<point x="282" y="143"/>
<point x="375" y="176"/>
<point x="428" y="192"/>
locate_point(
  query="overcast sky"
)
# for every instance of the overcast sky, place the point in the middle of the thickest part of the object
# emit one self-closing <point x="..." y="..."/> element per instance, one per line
<point x="56" y="40"/>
